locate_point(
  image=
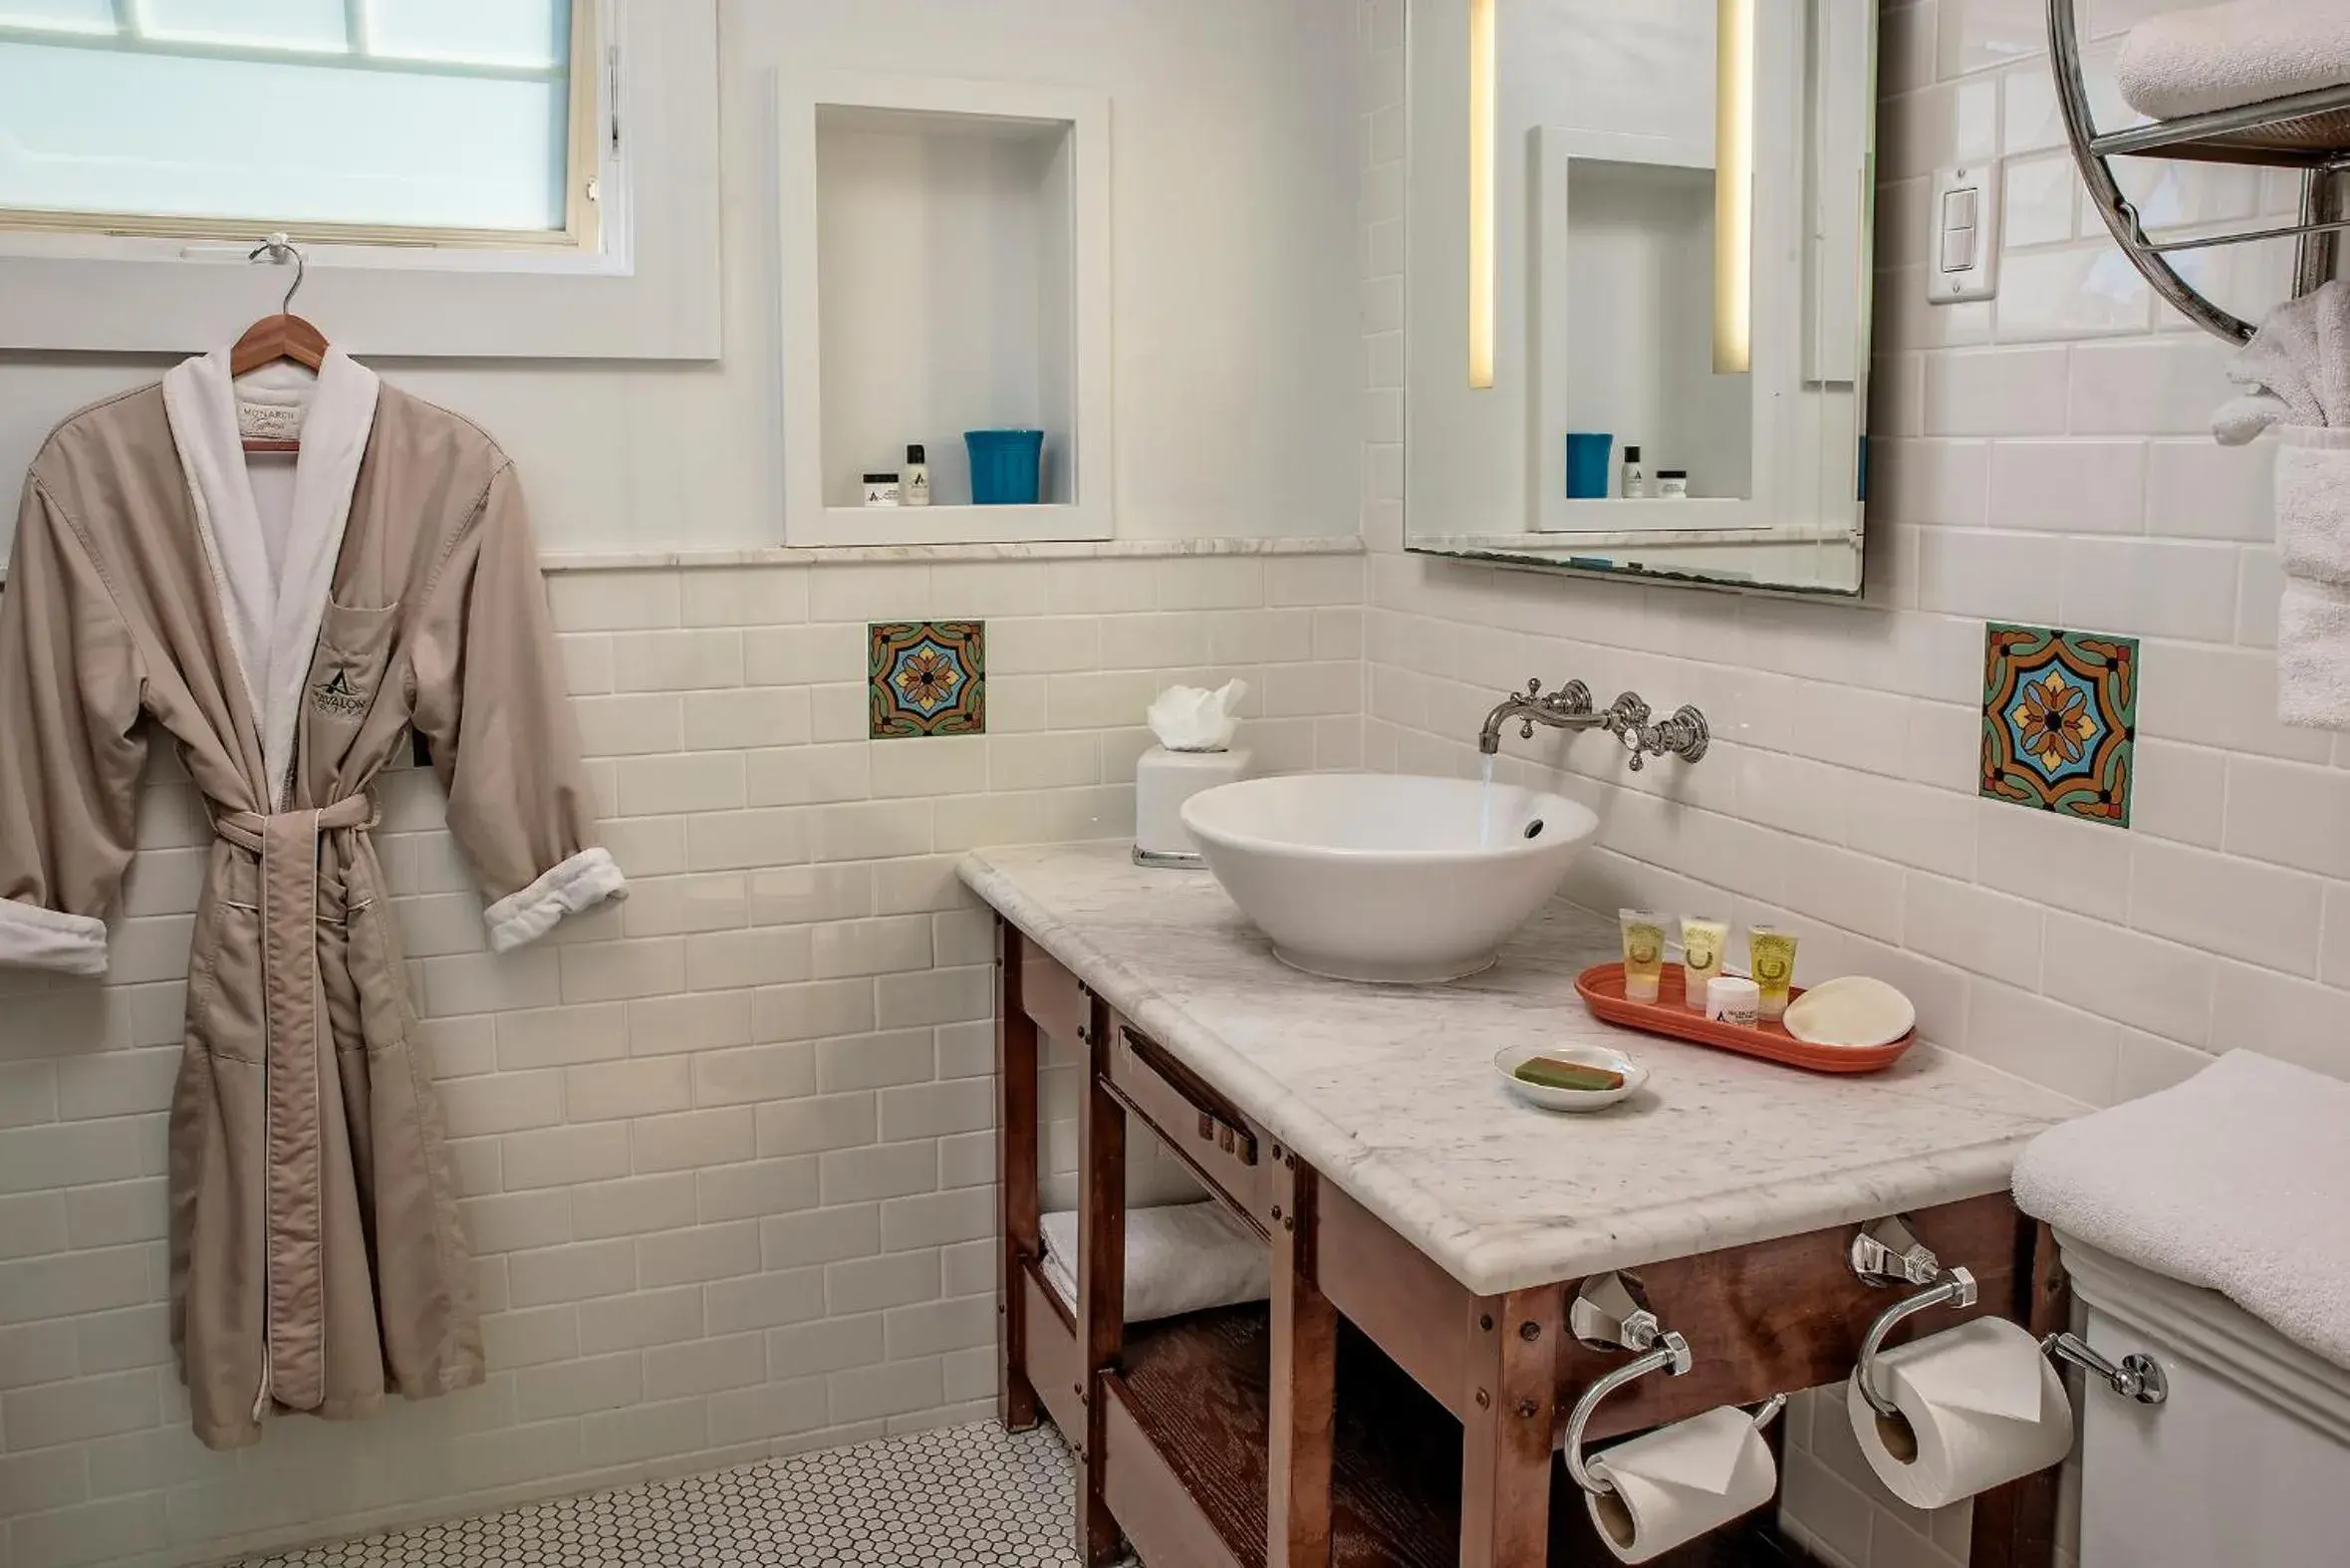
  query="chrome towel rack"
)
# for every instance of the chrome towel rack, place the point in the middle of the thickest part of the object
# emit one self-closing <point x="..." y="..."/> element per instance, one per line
<point x="2309" y="131"/>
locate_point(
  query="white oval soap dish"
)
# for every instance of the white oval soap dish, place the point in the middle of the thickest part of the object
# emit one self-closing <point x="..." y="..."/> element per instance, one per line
<point x="1561" y="1066"/>
<point x="1855" y="1011"/>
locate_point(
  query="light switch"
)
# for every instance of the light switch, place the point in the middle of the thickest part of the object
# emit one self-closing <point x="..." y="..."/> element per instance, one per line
<point x="1962" y="244"/>
<point x="1957" y="249"/>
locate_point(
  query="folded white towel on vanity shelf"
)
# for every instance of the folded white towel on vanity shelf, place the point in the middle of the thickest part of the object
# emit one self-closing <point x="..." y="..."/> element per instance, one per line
<point x="1183" y="1257"/>
<point x="2226" y="55"/>
<point x="2237" y="1181"/>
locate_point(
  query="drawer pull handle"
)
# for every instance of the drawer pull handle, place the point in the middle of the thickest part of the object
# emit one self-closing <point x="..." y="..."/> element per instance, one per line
<point x="1215" y="1125"/>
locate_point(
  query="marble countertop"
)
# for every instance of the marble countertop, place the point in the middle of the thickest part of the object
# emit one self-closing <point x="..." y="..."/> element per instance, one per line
<point x="1391" y="1092"/>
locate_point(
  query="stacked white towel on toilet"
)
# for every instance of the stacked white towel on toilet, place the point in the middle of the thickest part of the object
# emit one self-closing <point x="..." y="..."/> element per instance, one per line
<point x="2226" y="55"/>
<point x="1184" y="1257"/>
<point x="2294" y="377"/>
<point x="2237" y="1181"/>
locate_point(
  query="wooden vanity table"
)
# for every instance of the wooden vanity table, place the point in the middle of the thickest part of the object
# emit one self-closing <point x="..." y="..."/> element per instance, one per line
<point x="1401" y="1397"/>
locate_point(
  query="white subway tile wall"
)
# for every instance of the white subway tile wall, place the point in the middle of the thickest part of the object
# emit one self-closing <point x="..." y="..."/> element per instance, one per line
<point x="728" y="1148"/>
<point x="2041" y="458"/>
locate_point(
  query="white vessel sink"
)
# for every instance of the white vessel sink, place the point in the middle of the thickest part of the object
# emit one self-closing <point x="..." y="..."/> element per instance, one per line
<point x="1372" y="877"/>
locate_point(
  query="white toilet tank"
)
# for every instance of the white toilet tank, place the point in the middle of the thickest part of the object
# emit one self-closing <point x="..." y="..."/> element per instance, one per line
<point x="2245" y="1464"/>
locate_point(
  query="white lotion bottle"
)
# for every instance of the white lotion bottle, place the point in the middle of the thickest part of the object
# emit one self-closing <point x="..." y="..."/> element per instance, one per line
<point x="913" y="483"/>
<point x="1636" y="482"/>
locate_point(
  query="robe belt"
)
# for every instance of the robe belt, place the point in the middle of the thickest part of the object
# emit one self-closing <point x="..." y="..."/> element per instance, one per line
<point x="293" y="1367"/>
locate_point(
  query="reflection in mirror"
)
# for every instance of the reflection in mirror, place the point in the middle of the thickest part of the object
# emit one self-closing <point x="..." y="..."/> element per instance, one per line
<point x="1638" y="286"/>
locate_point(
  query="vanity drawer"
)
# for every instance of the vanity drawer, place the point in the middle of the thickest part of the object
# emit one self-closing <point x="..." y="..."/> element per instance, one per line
<point x="1229" y="1153"/>
<point x="1051" y="996"/>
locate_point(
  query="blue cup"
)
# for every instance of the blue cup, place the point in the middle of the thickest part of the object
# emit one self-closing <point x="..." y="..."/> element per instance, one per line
<point x="1007" y="466"/>
<point x="1587" y="464"/>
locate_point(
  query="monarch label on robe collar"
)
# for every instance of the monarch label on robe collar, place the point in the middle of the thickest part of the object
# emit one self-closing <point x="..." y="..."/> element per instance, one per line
<point x="337" y="697"/>
<point x="269" y="421"/>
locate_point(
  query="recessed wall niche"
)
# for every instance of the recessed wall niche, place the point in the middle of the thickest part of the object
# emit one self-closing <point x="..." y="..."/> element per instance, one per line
<point x="944" y="269"/>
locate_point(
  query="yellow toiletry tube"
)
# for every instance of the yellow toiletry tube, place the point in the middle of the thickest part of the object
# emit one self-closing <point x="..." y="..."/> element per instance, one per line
<point x="1703" y="944"/>
<point x="1644" y="953"/>
<point x="1770" y="954"/>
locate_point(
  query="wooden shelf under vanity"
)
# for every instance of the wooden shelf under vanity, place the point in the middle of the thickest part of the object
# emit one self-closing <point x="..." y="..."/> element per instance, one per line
<point x="1375" y="1410"/>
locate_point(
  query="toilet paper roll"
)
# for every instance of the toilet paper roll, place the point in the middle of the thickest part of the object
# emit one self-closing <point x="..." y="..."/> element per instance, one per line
<point x="1980" y="1406"/>
<point x="1673" y="1485"/>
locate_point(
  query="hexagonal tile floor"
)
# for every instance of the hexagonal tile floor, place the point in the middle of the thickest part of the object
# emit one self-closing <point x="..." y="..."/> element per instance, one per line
<point x="975" y="1496"/>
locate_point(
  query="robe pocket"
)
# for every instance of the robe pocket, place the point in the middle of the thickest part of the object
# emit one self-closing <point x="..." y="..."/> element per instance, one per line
<point x="224" y="1010"/>
<point x="347" y="670"/>
<point x="376" y="966"/>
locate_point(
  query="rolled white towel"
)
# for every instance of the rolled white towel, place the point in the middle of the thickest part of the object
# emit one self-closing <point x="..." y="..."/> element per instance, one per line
<point x="1183" y="1257"/>
<point x="2225" y="56"/>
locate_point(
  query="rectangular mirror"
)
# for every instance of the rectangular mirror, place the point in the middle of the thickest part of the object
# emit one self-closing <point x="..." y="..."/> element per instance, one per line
<point x="1638" y="288"/>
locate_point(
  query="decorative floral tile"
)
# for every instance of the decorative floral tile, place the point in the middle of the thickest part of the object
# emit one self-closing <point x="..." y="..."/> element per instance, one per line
<point x="2060" y="720"/>
<point x="927" y="678"/>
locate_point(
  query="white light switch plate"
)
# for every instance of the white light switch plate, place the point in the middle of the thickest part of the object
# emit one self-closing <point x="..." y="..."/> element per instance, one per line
<point x="1963" y="233"/>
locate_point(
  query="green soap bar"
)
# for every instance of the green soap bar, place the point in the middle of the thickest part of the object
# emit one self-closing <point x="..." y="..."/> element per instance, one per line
<point x="1550" y="1073"/>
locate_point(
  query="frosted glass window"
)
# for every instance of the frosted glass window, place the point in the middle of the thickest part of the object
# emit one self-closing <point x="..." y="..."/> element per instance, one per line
<point x="74" y="16"/>
<point x="272" y="24"/>
<point x="437" y="114"/>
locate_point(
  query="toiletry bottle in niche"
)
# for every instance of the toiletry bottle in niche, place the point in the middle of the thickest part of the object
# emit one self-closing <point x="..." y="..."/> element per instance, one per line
<point x="881" y="489"/>
<point x="1636" y="482"/>
<point x="1672" y="484"/>
<point x="914" y="481"/>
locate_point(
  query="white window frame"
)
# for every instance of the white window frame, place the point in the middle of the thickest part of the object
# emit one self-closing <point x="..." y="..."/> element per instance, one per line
<point x="649" y="291"/>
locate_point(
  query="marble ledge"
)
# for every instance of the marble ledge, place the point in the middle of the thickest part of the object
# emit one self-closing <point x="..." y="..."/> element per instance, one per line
<point x="1390" y="1093"/>
<point x="1565" y="543"/>
<point x="862" y="555"/>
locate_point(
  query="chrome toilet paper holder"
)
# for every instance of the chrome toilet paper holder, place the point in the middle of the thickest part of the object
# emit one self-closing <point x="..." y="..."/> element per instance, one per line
<point x="1610" y="1312"/>
<point x="1889" y="1253"/>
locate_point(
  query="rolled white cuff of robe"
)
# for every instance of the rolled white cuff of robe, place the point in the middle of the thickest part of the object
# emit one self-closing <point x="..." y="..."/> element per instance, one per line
<point x="573" y="887"/>
<point x="38" y="938"/>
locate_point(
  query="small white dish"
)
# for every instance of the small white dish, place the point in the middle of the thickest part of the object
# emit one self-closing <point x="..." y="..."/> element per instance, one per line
<point x="1507" y="1063"/>
<point x="1855" y="1011"/>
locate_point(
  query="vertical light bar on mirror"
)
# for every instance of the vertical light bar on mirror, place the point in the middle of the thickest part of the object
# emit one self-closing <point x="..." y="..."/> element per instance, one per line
<point x="1733" y="188"/>
<point x="1481" y="111"/>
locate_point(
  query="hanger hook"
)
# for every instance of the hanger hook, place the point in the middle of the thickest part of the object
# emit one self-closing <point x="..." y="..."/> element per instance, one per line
<point x="278" y="248"/>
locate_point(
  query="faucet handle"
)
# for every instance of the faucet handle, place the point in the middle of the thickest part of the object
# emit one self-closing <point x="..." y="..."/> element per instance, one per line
<point x="1686" y="734"/>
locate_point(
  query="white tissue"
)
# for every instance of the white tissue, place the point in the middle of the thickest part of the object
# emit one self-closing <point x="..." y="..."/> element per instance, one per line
<point x="1673" y="1485"/>
<point x="1186" y="719"/>
<point x="1982" y="1406"/>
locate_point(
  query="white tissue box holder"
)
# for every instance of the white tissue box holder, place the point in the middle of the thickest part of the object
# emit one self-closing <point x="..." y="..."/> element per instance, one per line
<point x="1164" y="780"/>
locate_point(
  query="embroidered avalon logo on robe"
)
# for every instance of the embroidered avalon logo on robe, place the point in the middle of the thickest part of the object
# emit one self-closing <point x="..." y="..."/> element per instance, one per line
<point x="337" y="697"/>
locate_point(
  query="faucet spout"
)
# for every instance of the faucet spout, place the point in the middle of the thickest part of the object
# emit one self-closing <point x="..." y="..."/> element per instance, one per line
<point x="1569" y="707"/>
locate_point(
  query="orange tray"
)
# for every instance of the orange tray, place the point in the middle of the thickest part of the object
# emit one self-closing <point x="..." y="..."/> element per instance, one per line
<point x="1602" y="990"/>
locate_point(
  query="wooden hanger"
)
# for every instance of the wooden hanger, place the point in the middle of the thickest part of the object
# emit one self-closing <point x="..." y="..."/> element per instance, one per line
<point x="283" y="336"/>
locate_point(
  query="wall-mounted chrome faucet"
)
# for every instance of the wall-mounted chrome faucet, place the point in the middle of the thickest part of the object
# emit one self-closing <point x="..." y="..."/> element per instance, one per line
<point x="1683" y="735"/>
